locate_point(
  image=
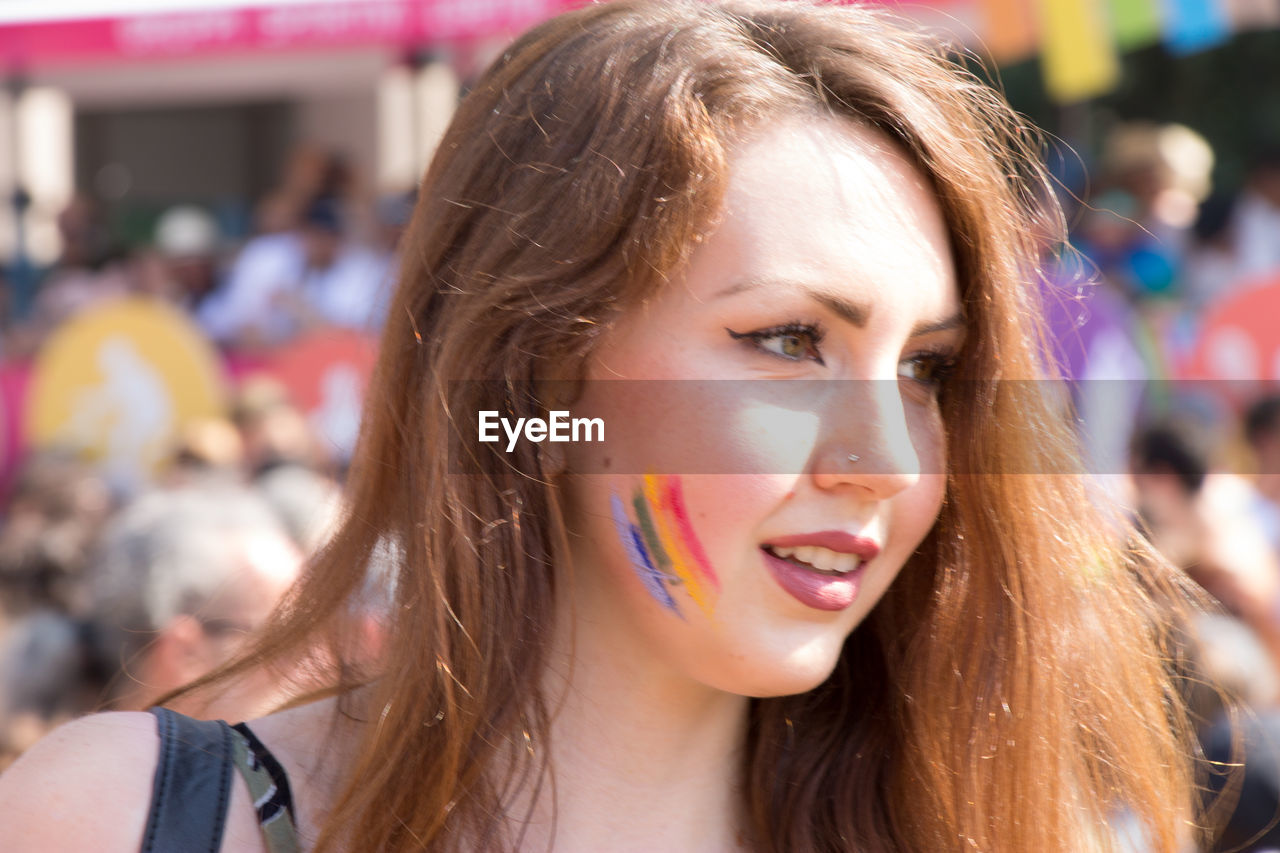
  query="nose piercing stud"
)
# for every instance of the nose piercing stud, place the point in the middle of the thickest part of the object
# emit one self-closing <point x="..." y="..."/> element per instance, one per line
<point x="853" y="457"/>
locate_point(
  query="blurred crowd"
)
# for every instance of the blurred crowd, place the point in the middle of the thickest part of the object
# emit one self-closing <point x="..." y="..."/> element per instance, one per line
<point x="1165" y="252"/>
<point x="113" y="593"/>
<point x="109" y="601"/>
<point x="320" y="253"/>
<point x="1157" y="228"/>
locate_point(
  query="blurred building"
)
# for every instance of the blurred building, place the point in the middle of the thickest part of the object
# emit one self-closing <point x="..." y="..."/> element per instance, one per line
<point x="143" y="104"/>
<point x="147" y="103"/>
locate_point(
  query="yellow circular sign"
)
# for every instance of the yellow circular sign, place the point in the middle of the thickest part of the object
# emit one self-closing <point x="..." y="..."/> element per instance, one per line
<point x="117" y="383"/>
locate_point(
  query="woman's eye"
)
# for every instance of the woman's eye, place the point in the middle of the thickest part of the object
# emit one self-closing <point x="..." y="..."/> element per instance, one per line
<point x="793" y="341"/>
<point x="931" y="369"/>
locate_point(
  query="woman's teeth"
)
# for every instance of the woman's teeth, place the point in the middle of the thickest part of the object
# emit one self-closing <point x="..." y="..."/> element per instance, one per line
<point x="814" y="556"/>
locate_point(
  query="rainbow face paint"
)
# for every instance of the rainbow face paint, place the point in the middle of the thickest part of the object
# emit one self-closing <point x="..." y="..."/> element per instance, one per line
<point x="637" y="553"/>
<point x="661" y="543"/>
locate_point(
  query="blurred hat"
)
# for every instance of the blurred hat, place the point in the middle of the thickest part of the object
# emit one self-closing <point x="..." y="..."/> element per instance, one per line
<point x="185" y="232"/>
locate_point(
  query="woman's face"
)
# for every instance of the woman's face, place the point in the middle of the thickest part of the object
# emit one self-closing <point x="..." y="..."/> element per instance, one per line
<point x="830" y="262"/>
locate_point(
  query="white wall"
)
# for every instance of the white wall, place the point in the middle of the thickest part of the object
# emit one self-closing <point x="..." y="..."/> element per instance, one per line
<point x="35" y="148"/>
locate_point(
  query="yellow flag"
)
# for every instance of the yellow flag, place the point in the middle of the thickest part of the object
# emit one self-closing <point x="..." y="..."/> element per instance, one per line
<point x="1079" y="55"/>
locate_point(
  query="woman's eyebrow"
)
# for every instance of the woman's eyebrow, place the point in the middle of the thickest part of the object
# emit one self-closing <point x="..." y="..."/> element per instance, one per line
<point x="955" y="321"/>
<point x="856" y="313"/>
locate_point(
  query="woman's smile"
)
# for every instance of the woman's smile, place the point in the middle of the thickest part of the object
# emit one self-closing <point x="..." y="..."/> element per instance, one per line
<point x="822" y="570"/>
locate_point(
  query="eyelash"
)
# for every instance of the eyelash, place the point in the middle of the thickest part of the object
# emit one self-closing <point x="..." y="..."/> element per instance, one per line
<point x="812" y="332"/>
<point x="941" y="363"/>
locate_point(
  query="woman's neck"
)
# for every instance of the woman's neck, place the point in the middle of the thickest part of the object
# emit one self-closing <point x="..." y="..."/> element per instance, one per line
<point x="642" y="759"/>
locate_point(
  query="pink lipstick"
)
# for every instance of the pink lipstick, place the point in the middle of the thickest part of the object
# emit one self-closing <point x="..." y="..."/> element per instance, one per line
<point x="835" y="540"/>
<point x="833" y="587"/>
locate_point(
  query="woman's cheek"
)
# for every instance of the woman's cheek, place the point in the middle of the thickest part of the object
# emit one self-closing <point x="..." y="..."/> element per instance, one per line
<point x="678" y="553"/>
<point x="761" y="437"/>
<point x="693" y="427"/>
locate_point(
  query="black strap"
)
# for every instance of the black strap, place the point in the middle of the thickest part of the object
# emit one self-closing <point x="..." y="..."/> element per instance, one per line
<point x="282" y="798"/>
<point x="192" y="786"/>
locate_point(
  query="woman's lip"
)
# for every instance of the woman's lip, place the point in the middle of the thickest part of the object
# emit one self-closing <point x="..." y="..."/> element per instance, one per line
<point x="811" y="587"/>
<point x="835" y="540"/>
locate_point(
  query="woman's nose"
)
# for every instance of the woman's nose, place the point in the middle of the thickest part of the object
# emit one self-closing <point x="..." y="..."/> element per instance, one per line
<point x="868" y="442"/>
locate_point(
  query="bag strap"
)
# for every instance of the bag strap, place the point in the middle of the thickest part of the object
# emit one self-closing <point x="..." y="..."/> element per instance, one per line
<point x="192" y="785"/>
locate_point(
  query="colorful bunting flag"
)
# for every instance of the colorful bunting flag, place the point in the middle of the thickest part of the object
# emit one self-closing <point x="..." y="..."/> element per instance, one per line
<point x="1193" y="25"/>
<point x="1079" y="56"/>
<point x="1010" y="29"/>
<point x="1135" y="23"/>
<point x="1252" y="14"/>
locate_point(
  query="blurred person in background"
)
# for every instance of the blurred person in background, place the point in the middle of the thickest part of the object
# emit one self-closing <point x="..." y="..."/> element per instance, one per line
<point x="206" y="449"/>
<point x="308" y="503"/>
<point x="250" y="310"/>
<point x="1137" y="230"/>
<point x="1211" y="524"/>
<point x="1262" y="432"/>
<point x="280" y="457"/>
<point x="58" y="507"/>
<point x="47" y="677"/>
<point x="1208" y="523"/>
<point x="310" y="172"/>
<point x="91" y="270"/>
<point x="285" y="283"/>
<point x="180" y="579"/>
<point x="391" y="216"/>
<point x="1236" y="238"/>
<point x="183" y="268"/>
<point x="1230" y="661"/>
<point x="276" y="213"/>
<point x="345" y="282"/>
<point x="55" y="513"/>
<point x="1210" y="267"/>
<point x="1257" y="218"/>
<point x="273" y="432"/>
<point x="86" y="243"/>
<point x="1166" y="169"/>
<point x="1128" y="258"/>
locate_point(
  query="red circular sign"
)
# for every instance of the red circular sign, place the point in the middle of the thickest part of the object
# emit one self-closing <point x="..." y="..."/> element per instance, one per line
<point x="1240" y="339"/>
<point x="326" y="373"/>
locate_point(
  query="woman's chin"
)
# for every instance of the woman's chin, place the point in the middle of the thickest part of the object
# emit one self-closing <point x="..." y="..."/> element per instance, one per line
<point x="783" y="675"/>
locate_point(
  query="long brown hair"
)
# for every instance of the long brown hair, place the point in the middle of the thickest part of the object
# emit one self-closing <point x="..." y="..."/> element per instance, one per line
<point x="1015" y="689"/>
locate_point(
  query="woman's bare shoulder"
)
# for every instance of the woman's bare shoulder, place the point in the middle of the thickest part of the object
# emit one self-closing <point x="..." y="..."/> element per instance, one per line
<point x="87" y="786"/>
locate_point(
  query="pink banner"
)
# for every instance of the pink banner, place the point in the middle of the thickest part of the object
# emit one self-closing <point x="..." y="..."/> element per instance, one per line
<point x="14" y="378"/>
<point x="267" y="28"/>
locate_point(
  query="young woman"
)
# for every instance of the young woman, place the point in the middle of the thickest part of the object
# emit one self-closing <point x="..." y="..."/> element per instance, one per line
<point x="835" y="604"/>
